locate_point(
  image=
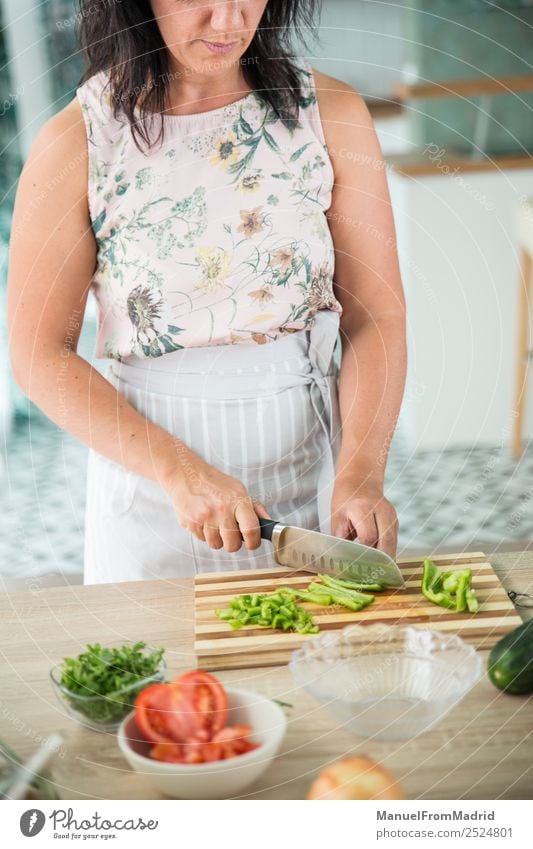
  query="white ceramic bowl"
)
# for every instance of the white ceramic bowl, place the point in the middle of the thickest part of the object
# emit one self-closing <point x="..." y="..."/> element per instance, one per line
<point x="221" y="779"/>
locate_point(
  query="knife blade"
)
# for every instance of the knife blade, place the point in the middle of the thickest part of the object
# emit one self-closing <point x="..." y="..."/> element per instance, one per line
<point x="299" y="548"/>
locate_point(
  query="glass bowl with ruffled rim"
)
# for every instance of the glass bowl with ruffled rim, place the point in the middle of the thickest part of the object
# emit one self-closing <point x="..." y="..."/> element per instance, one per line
<point x="387" y="682"/>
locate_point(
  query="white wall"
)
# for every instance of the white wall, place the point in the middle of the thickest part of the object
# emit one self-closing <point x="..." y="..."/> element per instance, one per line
<point x="458" y="254"/>
<point x="459" y="265"/>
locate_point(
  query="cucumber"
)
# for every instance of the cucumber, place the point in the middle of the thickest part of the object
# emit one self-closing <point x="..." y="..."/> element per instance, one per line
<point x="510" y="664"/>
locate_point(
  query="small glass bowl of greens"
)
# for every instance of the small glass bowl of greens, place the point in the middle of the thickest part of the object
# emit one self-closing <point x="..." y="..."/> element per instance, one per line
<point x="98" y="687"/>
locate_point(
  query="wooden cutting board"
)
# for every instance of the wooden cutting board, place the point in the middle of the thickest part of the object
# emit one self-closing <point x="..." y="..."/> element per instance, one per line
<point x="218" y="647"/>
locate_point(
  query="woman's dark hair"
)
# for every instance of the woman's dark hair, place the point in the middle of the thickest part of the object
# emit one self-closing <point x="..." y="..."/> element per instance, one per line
<point x="122" y="37"/>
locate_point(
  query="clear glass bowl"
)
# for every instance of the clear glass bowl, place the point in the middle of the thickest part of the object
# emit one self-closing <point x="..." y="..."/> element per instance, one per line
<point x="389" y="682"/>
<point x="103" y="713"/>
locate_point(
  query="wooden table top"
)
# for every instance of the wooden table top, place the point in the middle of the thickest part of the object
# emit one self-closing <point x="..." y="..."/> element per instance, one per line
<point x="483" y="749"/>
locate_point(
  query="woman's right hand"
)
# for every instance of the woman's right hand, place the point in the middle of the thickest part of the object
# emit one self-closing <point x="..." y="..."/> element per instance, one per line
<point x="215" y="507"/>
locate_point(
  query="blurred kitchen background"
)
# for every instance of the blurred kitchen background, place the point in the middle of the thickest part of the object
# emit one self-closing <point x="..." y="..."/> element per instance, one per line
<point x="450" y="87"/>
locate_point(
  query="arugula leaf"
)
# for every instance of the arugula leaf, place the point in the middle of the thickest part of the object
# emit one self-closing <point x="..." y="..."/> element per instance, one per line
<point x="109" y="673"/>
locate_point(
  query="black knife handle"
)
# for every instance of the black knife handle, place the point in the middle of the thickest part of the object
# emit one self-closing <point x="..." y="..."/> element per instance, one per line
<point x="267" y="527"/>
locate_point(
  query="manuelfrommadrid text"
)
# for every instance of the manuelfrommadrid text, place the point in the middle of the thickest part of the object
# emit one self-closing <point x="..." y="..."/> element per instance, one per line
<point x="429" y="815"/>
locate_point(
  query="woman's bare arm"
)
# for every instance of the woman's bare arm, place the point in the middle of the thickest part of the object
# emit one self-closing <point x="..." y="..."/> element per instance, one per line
<point x="51" y="264"/>
<point x="373" y="325"/>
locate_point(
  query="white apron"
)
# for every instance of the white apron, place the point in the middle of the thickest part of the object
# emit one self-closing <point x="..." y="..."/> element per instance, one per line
<point x="267" y="415"/>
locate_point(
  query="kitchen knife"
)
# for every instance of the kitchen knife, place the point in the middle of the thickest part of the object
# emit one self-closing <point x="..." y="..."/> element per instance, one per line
<point x="315" y="552"/>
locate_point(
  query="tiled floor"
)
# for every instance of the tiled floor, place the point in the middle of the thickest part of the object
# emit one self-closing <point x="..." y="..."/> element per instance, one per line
<point x="42" y="502"/>
<point x="462" y="497"/>
<point x="466" y="499"/>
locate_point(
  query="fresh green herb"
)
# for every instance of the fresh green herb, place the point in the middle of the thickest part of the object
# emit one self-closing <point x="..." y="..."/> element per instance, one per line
<point x="451" y="589"/>
<point x="272" y="610"/>
<point x="102" y="683"/>
<point x="282" y="704"/>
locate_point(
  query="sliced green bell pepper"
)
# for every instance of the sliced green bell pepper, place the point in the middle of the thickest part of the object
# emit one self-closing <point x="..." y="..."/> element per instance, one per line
<point x="450" y="589"/>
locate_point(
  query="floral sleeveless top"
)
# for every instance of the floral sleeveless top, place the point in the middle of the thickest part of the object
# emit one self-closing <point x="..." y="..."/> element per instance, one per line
<point x="216" y="236"/>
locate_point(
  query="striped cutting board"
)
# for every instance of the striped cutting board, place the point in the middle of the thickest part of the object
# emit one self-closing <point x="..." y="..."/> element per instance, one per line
<point x="218" y="647"/>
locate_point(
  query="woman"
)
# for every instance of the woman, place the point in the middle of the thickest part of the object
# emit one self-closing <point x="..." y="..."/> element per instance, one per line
<point x="195" y="186"/>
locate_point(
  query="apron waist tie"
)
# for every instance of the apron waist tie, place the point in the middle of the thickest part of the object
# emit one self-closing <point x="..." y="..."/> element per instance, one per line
<point x="324" y="397"/>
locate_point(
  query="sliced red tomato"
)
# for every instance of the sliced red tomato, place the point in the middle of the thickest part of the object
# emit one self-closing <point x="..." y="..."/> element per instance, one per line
<point x="233" y="732"/>
<point x="207" y="697"/>
<point x="167" y="752"/>
<point x="182" y="720"/>
<point x="213" y="752"/>
<point x="229" y="750"/>
<point x="186" y="720"/>
<point x="193" y="756"/>
<point x="152" y="709"/>
<point x="195" y="705"/>
<point x="234" y="740"/>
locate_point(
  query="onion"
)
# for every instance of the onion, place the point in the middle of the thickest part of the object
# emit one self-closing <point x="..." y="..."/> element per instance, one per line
<point x="355" y="778"/>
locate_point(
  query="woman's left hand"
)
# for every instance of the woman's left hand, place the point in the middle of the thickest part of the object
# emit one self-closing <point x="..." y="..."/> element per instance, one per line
<point x="361" y="510"/>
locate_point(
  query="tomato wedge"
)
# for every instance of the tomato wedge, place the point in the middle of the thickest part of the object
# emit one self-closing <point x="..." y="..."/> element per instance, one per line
<point x="207" y="698"/>
<point x="212" y="752"/>
<point x="234" y="740"/>
<point x="152" y="709"/>
<point x="168" y="752"/>
<point x="191" y="752"/>
<point x="185" y="720"/>
<point x="182" y="720"/>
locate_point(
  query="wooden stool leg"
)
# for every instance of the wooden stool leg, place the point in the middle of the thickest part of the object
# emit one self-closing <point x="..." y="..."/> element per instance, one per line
<point x="522" y="351"/>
